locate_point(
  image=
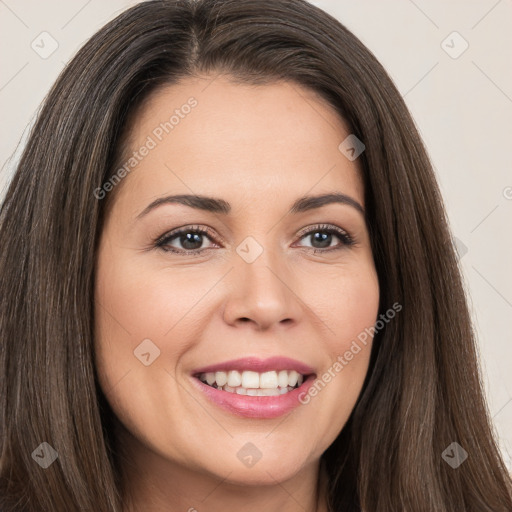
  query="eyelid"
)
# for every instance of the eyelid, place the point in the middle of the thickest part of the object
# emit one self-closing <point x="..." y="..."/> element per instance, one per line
<point x="323" y="227"/>
<point x="185" y="229"/>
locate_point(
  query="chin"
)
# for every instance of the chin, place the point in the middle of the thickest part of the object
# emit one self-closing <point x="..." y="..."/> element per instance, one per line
<point x="273" y="466"/>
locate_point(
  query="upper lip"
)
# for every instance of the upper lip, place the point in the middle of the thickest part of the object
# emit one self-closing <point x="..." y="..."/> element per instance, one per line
<point x="256" y="364"/>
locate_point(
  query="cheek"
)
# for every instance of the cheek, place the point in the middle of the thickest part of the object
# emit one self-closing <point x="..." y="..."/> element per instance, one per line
<point x="134" y="304"/>
<point x="141" y="303"/>
<point x="350" y="308"/>
<point x="356" y="326"/>
<point x="347" y="302"/>
<point x="357" y="308"/>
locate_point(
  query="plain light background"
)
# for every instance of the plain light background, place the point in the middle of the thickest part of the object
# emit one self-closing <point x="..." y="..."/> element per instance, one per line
<point x="451" y="62"/>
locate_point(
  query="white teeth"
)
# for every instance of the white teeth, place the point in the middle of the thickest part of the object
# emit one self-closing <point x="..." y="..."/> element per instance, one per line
<point x="292" y="378"/>
<point x="256" y="392"/>
<point x="282" y="379"/>
<point x="269" y="392"/>
<point x="221" y="378"/>
<point x="251" y="383"/>
<point x="268" y="380"/>
<point x="234" y="379"/>
<point x="250" y="379"/>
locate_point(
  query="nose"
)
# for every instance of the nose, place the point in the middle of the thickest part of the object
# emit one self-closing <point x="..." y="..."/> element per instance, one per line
<point x="262" y="293"/>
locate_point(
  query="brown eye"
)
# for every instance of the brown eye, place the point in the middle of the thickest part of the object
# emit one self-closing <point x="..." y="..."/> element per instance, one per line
<point x="184" y="240"/>
<point x="321" y="238"/>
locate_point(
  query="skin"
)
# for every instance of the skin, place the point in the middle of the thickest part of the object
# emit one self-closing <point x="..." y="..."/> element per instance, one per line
<point x="259" y="148"/>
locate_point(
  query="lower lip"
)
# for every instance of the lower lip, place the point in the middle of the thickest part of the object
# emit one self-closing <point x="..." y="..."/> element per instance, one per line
<point x="262" y="407"/>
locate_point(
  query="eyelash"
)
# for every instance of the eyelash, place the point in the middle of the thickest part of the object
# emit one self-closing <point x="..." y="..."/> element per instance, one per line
<point x="162" y="241"/>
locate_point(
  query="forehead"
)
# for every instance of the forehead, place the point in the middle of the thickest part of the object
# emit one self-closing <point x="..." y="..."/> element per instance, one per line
<point x="213" y="136"/>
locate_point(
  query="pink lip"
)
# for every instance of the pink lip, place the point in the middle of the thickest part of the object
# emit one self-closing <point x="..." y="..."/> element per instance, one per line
<point x="257" y="365"/>
<point x="262" y="407"/>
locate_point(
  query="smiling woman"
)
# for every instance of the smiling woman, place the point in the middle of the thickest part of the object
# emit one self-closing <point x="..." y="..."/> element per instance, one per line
<point x="235" y="287"/>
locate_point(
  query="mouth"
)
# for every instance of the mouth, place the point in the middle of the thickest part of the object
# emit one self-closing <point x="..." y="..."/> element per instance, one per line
<point x="251" y="383"/>
<point x="255" y="388"/>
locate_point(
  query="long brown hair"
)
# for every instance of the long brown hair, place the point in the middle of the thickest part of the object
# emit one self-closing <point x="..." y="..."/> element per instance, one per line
<point x="423" y="389"/>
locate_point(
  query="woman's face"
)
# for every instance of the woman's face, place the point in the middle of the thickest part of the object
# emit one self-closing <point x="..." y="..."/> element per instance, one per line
<point x="257" y="304"/>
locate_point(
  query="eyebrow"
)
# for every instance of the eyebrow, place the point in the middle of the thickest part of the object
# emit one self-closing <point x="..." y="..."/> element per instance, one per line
<point x="214" y="205"/>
